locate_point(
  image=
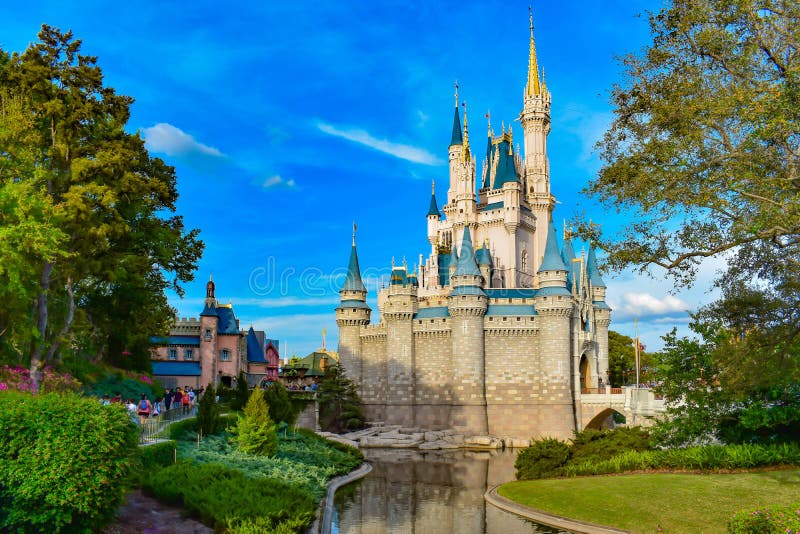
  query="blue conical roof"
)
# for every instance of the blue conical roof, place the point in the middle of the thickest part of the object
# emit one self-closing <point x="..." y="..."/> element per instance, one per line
<point x="568" y="254"/>
<point x="208" y="311"/>
<point x="255" y="353"/>
<point x="552" y="260"/>
<point x="506" y="170"/>
<point x="484" y="256"/>
<point x="434" y="208"/>
<point x="592" y="271"/>
<point x="353" y="281"/>
<point x="456" y="138"/>
<point x="466" y="265"/>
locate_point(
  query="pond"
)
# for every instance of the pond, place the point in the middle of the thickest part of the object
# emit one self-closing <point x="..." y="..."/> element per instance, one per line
<point x="411" y="491"/>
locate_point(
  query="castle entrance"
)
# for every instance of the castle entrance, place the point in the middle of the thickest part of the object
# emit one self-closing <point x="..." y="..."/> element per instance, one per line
<point x="586" y="378"/>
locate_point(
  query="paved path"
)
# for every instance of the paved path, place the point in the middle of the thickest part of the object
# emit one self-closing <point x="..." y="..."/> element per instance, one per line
<point x="492" y="497"/>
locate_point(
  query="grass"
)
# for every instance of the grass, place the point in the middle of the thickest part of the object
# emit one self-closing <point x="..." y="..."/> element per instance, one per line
<point x="679" y="503"/>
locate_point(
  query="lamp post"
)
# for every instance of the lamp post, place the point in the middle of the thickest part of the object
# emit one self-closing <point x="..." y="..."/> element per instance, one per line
<point x="636" y="347"/>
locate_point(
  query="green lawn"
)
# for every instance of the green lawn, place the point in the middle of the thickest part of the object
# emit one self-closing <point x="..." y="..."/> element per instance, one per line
<point x="679" y="503"/>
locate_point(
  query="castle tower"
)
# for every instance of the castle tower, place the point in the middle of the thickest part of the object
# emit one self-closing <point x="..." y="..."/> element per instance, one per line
<point x="351" y="315"/>
<point x="209" y="327"/>
<point x="602" y="314"/>
<point x="554" y="307"/>
<point x="484" y="257"/>
<point x="455" y="152"/>
<point x="467" y="305"/>
<point x="401" y="305"/>
<point x="535" y="120"/>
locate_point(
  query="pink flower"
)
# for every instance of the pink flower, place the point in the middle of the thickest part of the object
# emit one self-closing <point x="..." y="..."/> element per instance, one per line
<point x="3" y="386"/>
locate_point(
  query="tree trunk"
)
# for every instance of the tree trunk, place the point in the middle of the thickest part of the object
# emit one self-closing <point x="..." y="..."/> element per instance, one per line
<point x="41" y="325"/>
<point x="67" y="322"/>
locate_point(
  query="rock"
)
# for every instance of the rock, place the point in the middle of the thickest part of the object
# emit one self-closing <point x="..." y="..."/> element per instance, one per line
<point x="434" y="436"/>
<point x="436" y="445"/>
<point x="481" y="441"/>
<point x="517" y="443"/>
<point x="456" y="439"/>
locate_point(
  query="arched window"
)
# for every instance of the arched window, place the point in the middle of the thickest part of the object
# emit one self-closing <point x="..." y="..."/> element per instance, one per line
<point x="524" y="261"/>
<point x="225" y="355"/>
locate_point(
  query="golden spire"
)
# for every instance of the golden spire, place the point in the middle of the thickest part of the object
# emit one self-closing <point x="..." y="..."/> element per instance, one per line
<point x="533" y="87"/>
<point x="466" y="153"/>
<point x="489" y="123"/>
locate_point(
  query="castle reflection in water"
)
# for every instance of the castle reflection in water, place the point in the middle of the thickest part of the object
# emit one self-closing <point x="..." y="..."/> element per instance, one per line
<point x="410" y="491"/>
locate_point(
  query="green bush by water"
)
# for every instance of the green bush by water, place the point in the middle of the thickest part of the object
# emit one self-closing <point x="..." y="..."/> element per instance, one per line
<point x="543" y="458"/>
<point x="65" y="461"/>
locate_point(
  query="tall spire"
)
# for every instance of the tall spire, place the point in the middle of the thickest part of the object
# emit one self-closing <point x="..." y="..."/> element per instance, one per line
<point x="592" y="271"/>
<point x="433" y="210"/>
<point x="533" y="87"/>
<point x="353" y="280"/>
<point x="465" y="154"/>
<point x="455" y="138"/>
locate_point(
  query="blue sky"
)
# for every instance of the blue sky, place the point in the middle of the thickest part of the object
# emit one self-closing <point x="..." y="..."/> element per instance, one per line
<point x="288" y="121"/>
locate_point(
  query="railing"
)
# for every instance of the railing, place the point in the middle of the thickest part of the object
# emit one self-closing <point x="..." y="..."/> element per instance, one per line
<point x="152" y="429"/>
<point x="601" y="391"/>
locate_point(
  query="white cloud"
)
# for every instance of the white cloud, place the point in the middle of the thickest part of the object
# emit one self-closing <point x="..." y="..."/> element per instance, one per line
<point x="278" y="181"/>
<point x="173" y="141"/>
<point x="645" y="304"/>
<point x="398" y="150"/>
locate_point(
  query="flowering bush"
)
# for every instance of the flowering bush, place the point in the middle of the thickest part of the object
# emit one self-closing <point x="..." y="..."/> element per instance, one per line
<point x="19" y="378"/>
<point x="784" y="520"/>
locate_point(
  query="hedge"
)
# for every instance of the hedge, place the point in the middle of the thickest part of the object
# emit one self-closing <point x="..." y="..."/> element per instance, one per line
<point x="65" y="461"/>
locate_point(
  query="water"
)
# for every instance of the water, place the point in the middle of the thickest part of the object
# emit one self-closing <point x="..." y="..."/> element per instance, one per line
<point x="437" y="492"/>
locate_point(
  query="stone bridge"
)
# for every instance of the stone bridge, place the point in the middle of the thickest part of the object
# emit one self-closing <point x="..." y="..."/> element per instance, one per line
<point x="639" y="406"/>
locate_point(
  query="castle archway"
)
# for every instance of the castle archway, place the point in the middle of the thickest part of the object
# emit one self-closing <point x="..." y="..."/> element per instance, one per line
<point x="607" y="419"/>
<point x="586" y="373"/>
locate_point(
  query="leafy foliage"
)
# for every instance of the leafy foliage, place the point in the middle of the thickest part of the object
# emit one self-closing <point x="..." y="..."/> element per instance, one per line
<point x="704" y="152"/>
<point x="208" y="412"/>
<point x="130" y="386"/>
<point x="100" y="243"/>
<point x="542" y="459"/>
<point x="255" y="432"/>
<point x="706" y="458"/>
<point x="597" y="445"/>
<point x="64" y="461"/>
<point x="219" y="496"/>
<point x="281" y="407"/>
<point x="703" y="403"/>
<point x="339" y="404"/>
<point x="158" y="455"/>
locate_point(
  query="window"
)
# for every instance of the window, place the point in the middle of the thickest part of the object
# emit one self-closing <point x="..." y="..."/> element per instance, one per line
<point x="187" y="355"/>
<point x="525" y="261"/>
<point x="208" y="334"/>
<point x="225" y="355"/>
<point x="173" y="354"/>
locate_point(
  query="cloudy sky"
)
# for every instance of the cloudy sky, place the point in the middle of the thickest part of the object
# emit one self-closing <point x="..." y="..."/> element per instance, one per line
<point x="287" y="121"/>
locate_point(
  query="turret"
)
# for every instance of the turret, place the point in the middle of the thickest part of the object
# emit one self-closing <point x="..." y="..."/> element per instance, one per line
<point x="602" y="314"/>
<point x="433" y="220"/>
<point x="209" y="327"/>
<point x="467" y="306"/>
<point x="596" y="281"/>
<point x="484" y="257"/>
<point x="351" y="315"/>
<point x="455" y="152"/>
<point x="398" y="313"/>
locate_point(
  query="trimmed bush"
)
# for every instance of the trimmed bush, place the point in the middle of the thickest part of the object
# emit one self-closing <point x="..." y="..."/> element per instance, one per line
<point x="766" y="521"/>
<point x="598" y="445"/>
<point x="542" y="459"/>
<point x="241" y="394"/>
<point x="221" y="496"/>
<point x="280" y="406"/>
<point x="129" y="388"/>
<point x="64" y="461"/>
<point x="208" y="411"/>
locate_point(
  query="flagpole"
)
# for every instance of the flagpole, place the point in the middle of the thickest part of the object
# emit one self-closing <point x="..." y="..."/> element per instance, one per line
<point x="636" y="348"/>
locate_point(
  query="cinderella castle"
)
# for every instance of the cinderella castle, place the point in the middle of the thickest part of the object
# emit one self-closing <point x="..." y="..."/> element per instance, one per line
<point x="500" y="330"/>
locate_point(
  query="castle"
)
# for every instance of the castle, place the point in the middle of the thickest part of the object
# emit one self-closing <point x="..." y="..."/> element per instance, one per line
<point x="500" y="331"/>
<point x="212" y="349"/>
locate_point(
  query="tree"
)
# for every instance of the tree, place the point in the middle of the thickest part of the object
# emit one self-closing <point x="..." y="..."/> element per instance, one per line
<point x="241" y="394"/>
<point x="339" y="403"/>
<point x="255" y="432"/>
<point x="121" y="247"/>
<point x="208" y="412"/>
<point x="704" y="148"/>
<point x="622" y="360"/>
<point x="703" y="403"/>
<point x="280" y="405"/>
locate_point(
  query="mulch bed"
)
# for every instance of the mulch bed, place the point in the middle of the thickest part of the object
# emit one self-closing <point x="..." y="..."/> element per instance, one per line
<point x="143" y="514"/>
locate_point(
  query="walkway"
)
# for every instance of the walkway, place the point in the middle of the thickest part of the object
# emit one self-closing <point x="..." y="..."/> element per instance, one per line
<point x="153" y="428"/>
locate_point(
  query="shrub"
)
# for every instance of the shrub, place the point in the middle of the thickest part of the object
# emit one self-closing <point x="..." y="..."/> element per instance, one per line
<point x="158" y="455"/>
<point x="208" y="410"/>
<point x="64" y="461"/>
<point x="221" y="496"/>
<point x="127" y="386"/>
<point x="542" y="459"/>
<point x="785" y="520"/>
<point x="255" y="432"/>
<point x="51" y="381"/>
<point x="598" y="445"/>
<point x="280" y="406"/>
<point x="241" y="394"/>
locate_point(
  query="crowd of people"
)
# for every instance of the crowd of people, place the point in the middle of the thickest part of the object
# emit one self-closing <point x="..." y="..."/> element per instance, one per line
<point x="144" y="408"/>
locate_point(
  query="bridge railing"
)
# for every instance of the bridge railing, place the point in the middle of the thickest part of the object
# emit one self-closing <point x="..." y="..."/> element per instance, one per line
<point x="602" y="391"/>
